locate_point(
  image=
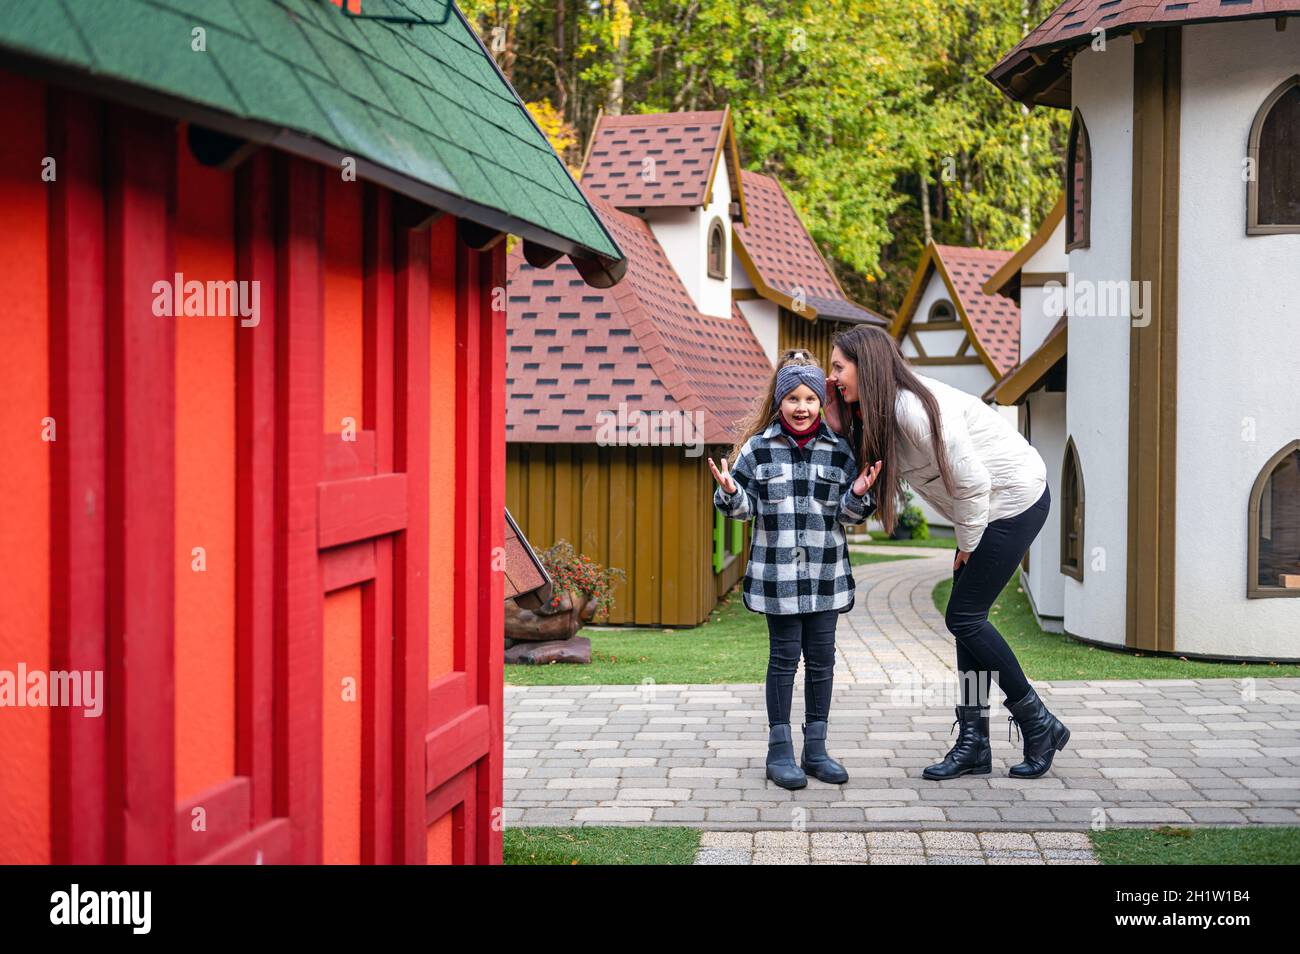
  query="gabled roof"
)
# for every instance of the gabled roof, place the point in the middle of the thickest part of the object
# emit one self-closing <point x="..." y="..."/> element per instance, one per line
<point x="782" y="260"/>
<point x="993" y="322"/>
<point x="685" y="150"/>
<point x="1009" y="272"/>
<point x="573" y="352"/>
<point x="1036" y="71"/>
<point x="420" y="106"/>
<point x="1012" y="387"/>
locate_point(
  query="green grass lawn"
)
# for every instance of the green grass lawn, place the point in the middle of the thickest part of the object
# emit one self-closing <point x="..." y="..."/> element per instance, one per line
<point x="731" y="646"/>
<point x="663" y="845"/>
<point x="670" y="845"/>
<point x="858" y="558"/>
<point x="1056" y="656"/>
<point x="1197" y="846"/>
<point x="879" y="538"/>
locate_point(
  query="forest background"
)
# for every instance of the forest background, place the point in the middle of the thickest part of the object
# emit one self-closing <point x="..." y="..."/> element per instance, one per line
<point x="874" y="114"/>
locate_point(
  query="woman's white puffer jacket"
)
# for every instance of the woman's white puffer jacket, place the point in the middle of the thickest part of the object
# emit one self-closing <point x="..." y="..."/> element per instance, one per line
<point x="996" y="473"/>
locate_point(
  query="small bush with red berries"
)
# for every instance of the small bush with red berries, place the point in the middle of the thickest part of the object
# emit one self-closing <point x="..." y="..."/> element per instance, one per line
<point x="571" y="571"/>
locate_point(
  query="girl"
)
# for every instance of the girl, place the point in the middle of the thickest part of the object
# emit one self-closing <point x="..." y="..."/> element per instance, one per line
<point x="799" y="482"/>
<point x="974" y="468"/>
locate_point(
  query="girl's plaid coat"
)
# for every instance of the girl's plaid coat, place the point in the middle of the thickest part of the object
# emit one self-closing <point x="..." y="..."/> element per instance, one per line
<point x="800" y="501"/>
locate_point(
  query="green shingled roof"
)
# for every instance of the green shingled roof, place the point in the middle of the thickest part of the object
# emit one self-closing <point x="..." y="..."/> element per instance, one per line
<point x="424" y="104"/>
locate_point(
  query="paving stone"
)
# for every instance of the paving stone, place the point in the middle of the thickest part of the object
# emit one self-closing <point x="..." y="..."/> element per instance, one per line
<point x="1189" y="751"/>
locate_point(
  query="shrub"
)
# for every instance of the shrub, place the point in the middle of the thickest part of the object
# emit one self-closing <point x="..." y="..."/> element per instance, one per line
<point x="571" y="571"/>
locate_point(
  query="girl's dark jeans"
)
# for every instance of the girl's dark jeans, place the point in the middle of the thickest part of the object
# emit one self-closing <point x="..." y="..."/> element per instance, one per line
<point x="814" y="635"/>
<point x="981" y="650"/>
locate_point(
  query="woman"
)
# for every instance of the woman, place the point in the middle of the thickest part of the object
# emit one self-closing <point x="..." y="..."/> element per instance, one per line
<point x="963" y="458"/>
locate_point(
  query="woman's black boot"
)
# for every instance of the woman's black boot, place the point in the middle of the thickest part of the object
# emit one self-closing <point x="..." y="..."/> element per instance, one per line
<point x="1044" y="735"/>
<point x="815" y="761"/>
<point x="781" y="767"/>
<point x="971" y="754"/>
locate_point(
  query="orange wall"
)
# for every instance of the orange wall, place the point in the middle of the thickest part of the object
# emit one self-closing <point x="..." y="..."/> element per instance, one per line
<point x="205" y="486"/>
<point x="25" y="476"/>
<point x="341" y="725"/>
<point x="344" y="285"/>
<point x="445" y="402"/>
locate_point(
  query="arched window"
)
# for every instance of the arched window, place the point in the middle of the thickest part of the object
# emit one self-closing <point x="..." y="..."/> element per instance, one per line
<point x="1274" y="562"/>
<point x="1273" y="192"/>
<point x="717" y="250"/>
<point x="941" y="311"/>
<point x="1071" y="513"/>
<point x="1078" y="184"/>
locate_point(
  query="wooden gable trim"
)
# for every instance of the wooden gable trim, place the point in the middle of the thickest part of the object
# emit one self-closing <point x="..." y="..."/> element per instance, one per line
<point x="931" y="259"/>
<point x="1004" y="275"/>
<point x="1026" y="376"/>
<point x="727" y="145"/>
<point x="762" y="288"/>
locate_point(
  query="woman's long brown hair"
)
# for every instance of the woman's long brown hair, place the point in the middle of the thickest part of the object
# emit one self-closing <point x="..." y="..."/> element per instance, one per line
<point x="765" y="409"/>
<point x="881" y="373"/>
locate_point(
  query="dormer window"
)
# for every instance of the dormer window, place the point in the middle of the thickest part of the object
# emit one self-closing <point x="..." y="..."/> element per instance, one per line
<point x="941" y="311"/>
<point x="1273" y="191"/>
<point x="717" y="249"/>
<point x="1078" y="185"/>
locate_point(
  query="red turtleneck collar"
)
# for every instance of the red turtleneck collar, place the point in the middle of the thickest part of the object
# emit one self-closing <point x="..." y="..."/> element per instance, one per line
<point x="801" y="437"/>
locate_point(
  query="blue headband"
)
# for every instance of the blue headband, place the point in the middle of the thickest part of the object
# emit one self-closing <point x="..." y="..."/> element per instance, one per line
<point x="793" y="375"/>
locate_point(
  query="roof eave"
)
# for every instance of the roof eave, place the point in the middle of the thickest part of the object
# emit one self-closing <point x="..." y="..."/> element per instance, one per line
<point x="1012" y="387"/>
<point x="291" y="141"/>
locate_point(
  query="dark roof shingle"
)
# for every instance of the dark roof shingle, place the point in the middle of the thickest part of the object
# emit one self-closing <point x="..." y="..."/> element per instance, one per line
<point x="785" y="256"/>
<point x="575" y="353"/>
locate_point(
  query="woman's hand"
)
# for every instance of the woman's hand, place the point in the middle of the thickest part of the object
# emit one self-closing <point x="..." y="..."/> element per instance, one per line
<point x="834" y="408"/>
<point x="723" y="477"/>
<point x="962" y="557"/>
<point x="866" y="478"/>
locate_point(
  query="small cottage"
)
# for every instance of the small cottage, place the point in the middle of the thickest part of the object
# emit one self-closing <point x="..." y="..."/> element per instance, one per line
<point x="1179" y="457"/>
<point x="254" y="368"/>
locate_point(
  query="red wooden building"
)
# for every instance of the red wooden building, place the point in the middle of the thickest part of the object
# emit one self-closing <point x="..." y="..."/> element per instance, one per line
<point x="253" y="367"/>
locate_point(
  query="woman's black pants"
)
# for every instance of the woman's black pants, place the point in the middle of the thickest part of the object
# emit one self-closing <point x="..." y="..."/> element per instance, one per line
<point x="814" y="635"/>
<point x="981" y="650"/>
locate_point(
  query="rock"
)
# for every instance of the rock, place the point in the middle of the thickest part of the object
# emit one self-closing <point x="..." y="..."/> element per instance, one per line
<point x="574" y="650"/>
<point x="543" y="625"/>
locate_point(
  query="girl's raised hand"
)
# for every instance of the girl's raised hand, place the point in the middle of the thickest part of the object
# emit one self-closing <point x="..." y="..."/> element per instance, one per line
<point x="723" y="477"/>
<point x="866" y="478"/>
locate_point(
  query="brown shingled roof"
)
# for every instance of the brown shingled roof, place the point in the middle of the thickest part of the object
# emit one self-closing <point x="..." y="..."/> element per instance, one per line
<point x="1036" y="70"/>
<point x="781" y="258"/>
<point x="686" y="149"/>
<point x="574" y="351"/>
<point x="992" y="321"/>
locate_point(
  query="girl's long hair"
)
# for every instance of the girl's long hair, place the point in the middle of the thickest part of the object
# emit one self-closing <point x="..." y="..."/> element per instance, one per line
<point x="881" y="373"/>
<point x="765" y="408"/>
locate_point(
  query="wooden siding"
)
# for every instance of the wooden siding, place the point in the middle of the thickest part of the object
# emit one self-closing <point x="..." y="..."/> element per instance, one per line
<point x="646" y="510"/>
<point x="813" y="336"/>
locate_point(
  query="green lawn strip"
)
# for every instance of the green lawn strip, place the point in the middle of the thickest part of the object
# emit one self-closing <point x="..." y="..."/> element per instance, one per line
<point x="731" y="646"/>
<point x="601" y="845"/>
<point x="1056" y="656"/>
<point x="858" y="558"/>
<point x="879" y="538"/>
<point x="1266" y="845"/>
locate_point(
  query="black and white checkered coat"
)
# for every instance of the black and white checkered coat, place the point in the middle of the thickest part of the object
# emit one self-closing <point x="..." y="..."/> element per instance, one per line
<point x="800" y="501"/>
